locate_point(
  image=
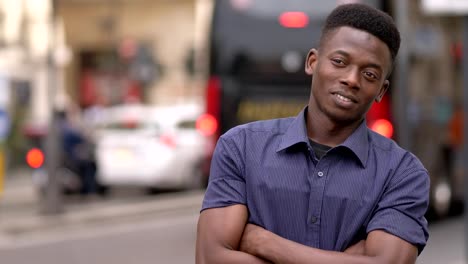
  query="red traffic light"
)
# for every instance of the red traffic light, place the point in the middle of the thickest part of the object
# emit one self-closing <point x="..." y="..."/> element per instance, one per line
<point x="35" y="158"/>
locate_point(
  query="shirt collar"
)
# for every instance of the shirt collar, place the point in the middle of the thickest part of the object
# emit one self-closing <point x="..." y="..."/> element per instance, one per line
<point x="295" y="133"/>
<point x="357" y="142"/>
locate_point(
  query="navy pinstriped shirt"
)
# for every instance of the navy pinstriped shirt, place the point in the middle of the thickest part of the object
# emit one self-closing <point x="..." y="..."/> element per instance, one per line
<point x="367" y="183"/>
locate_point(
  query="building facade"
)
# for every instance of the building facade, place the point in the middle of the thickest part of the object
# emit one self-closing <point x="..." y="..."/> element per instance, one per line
<point x="113" y="40"/>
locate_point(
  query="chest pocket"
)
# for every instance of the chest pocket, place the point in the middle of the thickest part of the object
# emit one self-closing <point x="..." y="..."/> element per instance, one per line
<point x="277" y="195"/>
<point x="278" y="179"/>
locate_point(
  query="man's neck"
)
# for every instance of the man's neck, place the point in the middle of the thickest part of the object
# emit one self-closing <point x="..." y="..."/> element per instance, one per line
<point x="323" y="130"/>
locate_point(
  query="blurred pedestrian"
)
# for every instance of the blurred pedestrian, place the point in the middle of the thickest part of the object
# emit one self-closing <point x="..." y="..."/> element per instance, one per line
<point x="78" y="149"/>
<point x="321" y="187"/>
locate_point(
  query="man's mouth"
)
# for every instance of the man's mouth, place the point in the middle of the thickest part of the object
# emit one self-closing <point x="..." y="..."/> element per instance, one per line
<point x="344" y="99"/>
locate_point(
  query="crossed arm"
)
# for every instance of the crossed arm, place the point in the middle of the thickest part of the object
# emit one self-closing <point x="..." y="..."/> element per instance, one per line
<point x="223" y="235"/>
<point x="219" y="234"/>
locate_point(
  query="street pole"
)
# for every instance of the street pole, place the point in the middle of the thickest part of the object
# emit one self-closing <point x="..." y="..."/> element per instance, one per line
<point x="400" y="90"/>
<point x="465" y="130"/>
<point x="53" y="196"/>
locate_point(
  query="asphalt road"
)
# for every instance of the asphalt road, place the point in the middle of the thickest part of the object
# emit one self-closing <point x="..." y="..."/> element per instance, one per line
<point x="168" y="238"/>
<point x="446" y="243"/>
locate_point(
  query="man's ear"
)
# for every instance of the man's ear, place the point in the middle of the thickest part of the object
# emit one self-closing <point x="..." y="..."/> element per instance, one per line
<point x="382" y="91"/>
<point x="311" y="61"/>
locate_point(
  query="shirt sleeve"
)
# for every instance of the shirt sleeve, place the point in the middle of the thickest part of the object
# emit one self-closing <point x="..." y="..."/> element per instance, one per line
<point x="226" y="185"/>
<point x="402" y="207"/>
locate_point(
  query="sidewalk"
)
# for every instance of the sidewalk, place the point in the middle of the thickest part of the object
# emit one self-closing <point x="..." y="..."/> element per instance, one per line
<point x="18" y="193"/>
<point x="19" y="208"/>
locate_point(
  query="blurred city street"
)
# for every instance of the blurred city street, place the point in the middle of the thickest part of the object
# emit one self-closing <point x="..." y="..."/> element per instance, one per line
<point x="111" y="110"/>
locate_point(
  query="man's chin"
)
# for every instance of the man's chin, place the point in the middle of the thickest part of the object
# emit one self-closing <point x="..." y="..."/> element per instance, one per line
<point x="344" y="118"/>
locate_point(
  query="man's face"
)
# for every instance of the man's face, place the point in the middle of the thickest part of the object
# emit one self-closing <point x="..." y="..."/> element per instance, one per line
<point x="349" y="73"/>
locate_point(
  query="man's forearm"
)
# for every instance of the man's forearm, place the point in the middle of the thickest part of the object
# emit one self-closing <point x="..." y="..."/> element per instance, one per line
<point x="379" y="247"/>
<point x="280" y="250"/>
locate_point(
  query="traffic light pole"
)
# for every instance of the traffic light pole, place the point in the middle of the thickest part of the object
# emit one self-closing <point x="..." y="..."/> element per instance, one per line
<point x="52" y="200"/>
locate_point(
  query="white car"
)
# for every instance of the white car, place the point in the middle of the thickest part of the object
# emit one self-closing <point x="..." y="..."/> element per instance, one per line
<point x="164" y="147"/>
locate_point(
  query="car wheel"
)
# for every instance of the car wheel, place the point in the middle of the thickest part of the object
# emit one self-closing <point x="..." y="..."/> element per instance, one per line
<point x="103" y="190"/>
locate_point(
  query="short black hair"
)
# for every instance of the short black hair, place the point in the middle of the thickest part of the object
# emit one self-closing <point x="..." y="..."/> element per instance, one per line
<point x="366" y="18"/>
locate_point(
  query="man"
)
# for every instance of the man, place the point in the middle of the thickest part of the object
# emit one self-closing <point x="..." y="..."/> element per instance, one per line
<point x="321" y="187"/>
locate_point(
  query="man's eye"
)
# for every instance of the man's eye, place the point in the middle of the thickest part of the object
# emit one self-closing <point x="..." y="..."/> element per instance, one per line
<point x="338" y="61"/>
<point x="370" y="75"/>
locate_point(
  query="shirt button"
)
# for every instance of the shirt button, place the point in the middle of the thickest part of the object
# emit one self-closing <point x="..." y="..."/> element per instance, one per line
<point x="313" y="219"/>
<point x="320" y="174"/>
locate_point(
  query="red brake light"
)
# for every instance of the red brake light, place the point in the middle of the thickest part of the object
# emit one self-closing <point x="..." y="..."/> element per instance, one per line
<point x="383" y="127"/>
<point x="35" y="158"/>
<point x="213" y="98"/>
<point x="207" y="125"/>
<point x="293" y="19"/>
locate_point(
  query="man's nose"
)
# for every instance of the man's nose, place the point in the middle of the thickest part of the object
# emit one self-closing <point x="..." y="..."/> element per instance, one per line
<point x="351" y="78"/>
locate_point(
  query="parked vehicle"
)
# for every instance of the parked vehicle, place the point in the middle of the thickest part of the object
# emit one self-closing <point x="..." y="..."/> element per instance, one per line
<point x="164" y="147"/>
